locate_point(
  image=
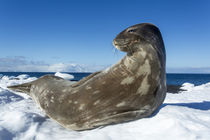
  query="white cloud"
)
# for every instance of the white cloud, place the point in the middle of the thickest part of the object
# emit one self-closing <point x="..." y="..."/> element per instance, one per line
<point x="21" y="64"/>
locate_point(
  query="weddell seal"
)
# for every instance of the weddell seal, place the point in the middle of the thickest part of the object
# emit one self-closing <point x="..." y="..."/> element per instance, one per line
<point x="131" y="89"/>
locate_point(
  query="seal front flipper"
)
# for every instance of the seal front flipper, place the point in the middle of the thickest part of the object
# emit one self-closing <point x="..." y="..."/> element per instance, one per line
<point x="25" y="88"/>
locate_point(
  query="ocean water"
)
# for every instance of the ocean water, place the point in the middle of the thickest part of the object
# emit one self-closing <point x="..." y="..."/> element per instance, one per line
<point x="179" y="79"/>
<point x="172" y="78"/>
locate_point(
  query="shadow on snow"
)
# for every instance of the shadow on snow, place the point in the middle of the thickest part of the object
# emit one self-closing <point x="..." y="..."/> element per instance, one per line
<point x="205" y="105"/>
<point x="8" y="97"/>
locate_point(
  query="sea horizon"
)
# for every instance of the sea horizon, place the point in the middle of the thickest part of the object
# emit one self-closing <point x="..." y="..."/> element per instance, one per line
<point x="82" y="72"/>
<point x="172" y="78"/>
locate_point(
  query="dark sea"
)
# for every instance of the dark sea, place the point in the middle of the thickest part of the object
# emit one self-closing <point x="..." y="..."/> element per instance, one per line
<point x="172" y="78"/>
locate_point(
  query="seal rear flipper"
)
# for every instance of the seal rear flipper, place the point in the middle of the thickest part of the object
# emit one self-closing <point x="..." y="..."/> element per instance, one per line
<point x="25" y="88"/>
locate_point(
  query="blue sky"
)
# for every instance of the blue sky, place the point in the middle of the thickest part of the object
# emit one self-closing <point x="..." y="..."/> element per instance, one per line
<point x="48" y="32"/>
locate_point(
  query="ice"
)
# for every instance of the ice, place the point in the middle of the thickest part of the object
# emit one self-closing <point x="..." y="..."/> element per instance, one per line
<point x="23" y="76"/>
<point x="183" y="116"/>
<point x="64" y="75"/>
<point x="187" y="86"/>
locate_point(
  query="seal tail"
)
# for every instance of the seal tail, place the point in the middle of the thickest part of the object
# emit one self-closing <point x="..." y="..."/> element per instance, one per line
<point x="25" y="88"/>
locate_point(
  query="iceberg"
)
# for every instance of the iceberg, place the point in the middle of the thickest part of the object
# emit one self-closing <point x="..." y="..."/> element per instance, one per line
<point x="64" y="75"/>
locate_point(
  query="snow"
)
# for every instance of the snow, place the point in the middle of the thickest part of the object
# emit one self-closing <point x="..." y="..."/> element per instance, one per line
<point x="182" y="116"/>
<point x="64" y="75"/>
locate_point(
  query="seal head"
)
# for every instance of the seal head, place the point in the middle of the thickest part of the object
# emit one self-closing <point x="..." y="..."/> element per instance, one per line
<point x="130" y="39"/>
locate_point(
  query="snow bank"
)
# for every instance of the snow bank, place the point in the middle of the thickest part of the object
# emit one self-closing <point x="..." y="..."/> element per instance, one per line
<point x="64" y="75"/>
<point x="183" y="116"/>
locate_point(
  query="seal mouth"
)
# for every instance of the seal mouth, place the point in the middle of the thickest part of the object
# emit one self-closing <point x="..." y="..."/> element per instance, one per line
<point x="121" y="45"/>
<point x="125" y="45"/>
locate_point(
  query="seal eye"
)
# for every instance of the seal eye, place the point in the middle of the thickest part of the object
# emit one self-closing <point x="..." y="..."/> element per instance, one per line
<point x="131" y="30"/>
